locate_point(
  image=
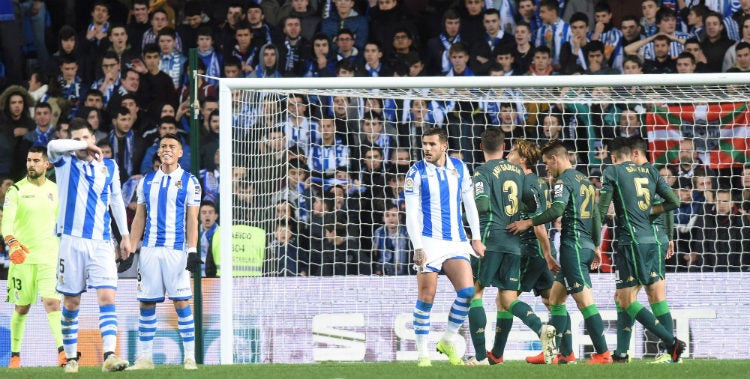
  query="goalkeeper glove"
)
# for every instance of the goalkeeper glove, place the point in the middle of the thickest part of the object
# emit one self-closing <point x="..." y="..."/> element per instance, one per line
<point x="17" y="250"/>
<point x="193" y="261"/>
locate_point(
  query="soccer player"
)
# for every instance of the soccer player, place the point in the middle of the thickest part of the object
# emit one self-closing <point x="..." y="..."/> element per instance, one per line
<point x="500" y="192"/>
<point x="167" y="218"/>
<point x="538" y="264"/>
<point x="573" y="198"/>
<point x="639" y="256"/>
<point x="30" y="210"/>
<point x="89" y="187"/>
<point x="434" y="190"/>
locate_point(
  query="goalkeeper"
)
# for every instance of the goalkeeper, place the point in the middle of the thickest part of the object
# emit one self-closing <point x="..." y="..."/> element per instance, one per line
<point x="30" y="211"/>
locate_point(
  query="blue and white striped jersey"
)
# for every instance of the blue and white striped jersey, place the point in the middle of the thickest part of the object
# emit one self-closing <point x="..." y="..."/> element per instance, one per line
<point x="167" y="197"/>
<point x="440" y="190"/>
<point x="554" y="36"/>
<point x="87" y="191"/>
<point x="675" y="47"/>
<point x="328" y="158"/>
<point x="302" y="135"/>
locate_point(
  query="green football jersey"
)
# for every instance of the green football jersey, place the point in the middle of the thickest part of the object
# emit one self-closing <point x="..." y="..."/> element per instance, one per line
<point x="538" y="204"/>
<point x="659" y="222"/>
<point x="574" y="190"/>
<point x="503" y="184"/>
<point x="30" y="214"/>
<point x="633" y="189"/>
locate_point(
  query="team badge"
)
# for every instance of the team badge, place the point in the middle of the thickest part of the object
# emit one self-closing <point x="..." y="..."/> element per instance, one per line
<point x="454" y="172"/>
<point x="51" y="196"/>
<point x="558" y="190"/>
<point x="104" y="170"/>
<point x="178" y="184"/>
<point x="17" y="295"/>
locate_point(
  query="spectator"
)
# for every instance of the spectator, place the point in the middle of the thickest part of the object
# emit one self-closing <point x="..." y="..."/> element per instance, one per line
<point x="285" y="257"/>
<point x="662" y="62"/>
<point x="232" y="67"/>
<point x="191" y="25"/>
<point x="505" y="59"/>
<point x="494" y="37"/>
<point x="631" y="30"/>
<point x="629" y="124"/>
<point x="210" y="181"/>
<point x="438" y="60"/>
<point x="321" y="214"/>
<point x="172" y="60"/>
<point x="268" y="62"/>
<point x="244" y="50"/>
<point x="95" y="118"/>
<point x="527" y="13"/>
<point x="109" y="82"/>
<point x="391" y="246"/>
<point x="207" y="54"/>
<point x="573" y="53"/>
<point x="693" y="47"/>
<point x="610" y="36"/>
<point x="523" y="52"/>
<point x="209" y="215"/>
<point x="228" y="30"/>
<point x="118" y="43"/>
<point x="11" y="27"/>
<point x="719" y="235"/>
<point x="138" y="24"/>
<point x="155" y="85"/>
<point x="742" y="56"/>
<point x="373" y="134"/>
<point x="666" y="18"/>
<point x="71" y="85"/>
<point x="345" y="17"/>
<point x="744" y="191"/>
<point x="716" y="43"/>
<point x="328" y="153"/>
<point x="649" y="24"/>
<point x="295" y="49"/>
<point x="554" y="32"/>
<point x="124" y="143"/>
<point x="15" y="122"/>
<point x="472" y="27"/>
<point x="685" y="218"/>
<point x="688" y="159"/>
<point x="318" y="64"/>
<point x="403" y="45"/>
<point x="685" y="63"/>
<point x="95" y="38"/>
<point x="263" y="31"/>
<point x="731" y="55"/>
<point x="159" y="21"/>
<point x="734" y="23"/>
<point x="342" y="254"/>
<point x="542" y="63"/>
<point x="385" y="19"/>
<point x="295" y="188"/>
<point x="373" y="63"/>
<point x="44" y="130"/>
<point x="596" y="60"/>
<point x="305" y="11"/>
<point x="345" y="49"/>
<point x="695" y="16"/>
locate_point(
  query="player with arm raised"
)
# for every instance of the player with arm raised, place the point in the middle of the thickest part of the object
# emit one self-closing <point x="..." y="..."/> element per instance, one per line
<point x="501" y="191"/>
<point x="639" y="258"/>
<point x="89" y="186"/>
<point x="538" y="264"/>
<point x="167" y="218"/>
<point x="30" y="210"/>
<point x="434" y="189"/>
<point x="573" y="198"/>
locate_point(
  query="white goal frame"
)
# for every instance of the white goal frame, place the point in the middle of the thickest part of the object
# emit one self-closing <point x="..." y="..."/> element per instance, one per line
<point x="227" y="85"/>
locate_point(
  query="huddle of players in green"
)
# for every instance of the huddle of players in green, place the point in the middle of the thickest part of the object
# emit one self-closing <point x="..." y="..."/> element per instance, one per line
<point x="511" y="199"/>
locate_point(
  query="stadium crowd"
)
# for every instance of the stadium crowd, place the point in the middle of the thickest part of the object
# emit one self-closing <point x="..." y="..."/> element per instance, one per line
<point x="335" y="166"/>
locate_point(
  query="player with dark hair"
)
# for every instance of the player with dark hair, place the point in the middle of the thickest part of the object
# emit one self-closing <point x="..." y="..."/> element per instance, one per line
<point x="573" y="197"/>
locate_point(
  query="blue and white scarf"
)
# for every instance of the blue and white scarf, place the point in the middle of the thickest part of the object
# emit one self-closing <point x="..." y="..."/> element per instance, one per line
<point x="213" y="66"/>
<point x="42" y="138"/>
<point x="128" y="152"/>
<point x="446" y="64"/>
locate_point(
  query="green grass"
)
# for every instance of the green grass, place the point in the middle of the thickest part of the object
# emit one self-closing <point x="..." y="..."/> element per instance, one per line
<point x="690" y="369"/>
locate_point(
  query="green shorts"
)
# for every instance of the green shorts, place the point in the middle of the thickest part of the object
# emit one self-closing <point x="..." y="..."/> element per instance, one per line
<point x="26" y="280"/>
<point x="501" y="270"/>
<point x="574" y="268"/>
<point x="535" y="275"/>
<point x="637" y="265"/>
<point x="664" y="247"/>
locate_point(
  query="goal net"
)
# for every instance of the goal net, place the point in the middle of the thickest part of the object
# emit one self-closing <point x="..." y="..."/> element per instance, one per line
<point x="312" y="204"/>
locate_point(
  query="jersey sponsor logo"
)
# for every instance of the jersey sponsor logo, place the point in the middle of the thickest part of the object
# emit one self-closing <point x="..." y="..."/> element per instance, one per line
<point x="478" y="188"/>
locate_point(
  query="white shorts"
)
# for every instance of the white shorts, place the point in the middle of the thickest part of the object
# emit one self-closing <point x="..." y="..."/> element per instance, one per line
<point x="83" y="261"/>
<point x="161" y="271"/>
<point x="439" y="251"/>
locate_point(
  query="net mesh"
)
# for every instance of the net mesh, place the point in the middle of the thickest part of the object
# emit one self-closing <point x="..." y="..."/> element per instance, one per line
<point x="319" y="174"/>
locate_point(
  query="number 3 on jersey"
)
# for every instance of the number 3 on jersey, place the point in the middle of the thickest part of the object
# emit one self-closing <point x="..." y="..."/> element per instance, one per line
<point x="511" y="188"/>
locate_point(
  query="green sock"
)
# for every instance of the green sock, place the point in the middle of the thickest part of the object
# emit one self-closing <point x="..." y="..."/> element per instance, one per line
<point x="53" y="319"/>
<point x="477" y="325"/>
<point x="559" y="319"/>
<point x="566" y="342"/>
<point x="17" y="328"/>
<point x="647" y="319"/>
<point x="594" y="325"/>
<point x="502" y="330"/>
<point x="524" y="312"/>
<point x="624" y="330"/>
<point x="661" y="312"/>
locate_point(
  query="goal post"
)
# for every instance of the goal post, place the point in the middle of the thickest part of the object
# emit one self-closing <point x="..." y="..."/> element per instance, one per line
<point x="359" y="315"/>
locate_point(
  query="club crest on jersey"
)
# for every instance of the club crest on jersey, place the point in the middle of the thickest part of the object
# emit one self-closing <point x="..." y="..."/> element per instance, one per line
<point x="51" y="196"/>
<point x="454" y="172"/>
<point x="178" y="184"/>
<point x="104" y="170"/>
<point x="558" y="190"/>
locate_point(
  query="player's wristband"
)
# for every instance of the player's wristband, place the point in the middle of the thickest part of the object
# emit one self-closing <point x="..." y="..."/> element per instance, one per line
<point x="191" y="250"/>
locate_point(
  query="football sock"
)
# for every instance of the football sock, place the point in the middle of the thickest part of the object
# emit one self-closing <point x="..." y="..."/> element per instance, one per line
<point x="524" y="312"/>
<point x="53" y="320"/>
<point x="559" y="319"/>
<point x="594" y="325"/>
<point x="566" y="341"/>
<point x="69" y="323"/>
<point x="502" y="330"/>
<point x="146" y="330"/>
<point x="422" y="326"/>
<point x="661" y="312"/>
<point x="459" y="311"/>
<point x="624" y="330"/>
<point x="187" y="330"/>
<point x="647" y="319"/>
<point x="477" y="326"/>
<point x="108" y="327"/>
<point x="17" y="328"/>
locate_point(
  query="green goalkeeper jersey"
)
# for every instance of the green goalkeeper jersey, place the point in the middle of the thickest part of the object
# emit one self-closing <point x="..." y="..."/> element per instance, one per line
<point x="29" y="214"/>
<point x="500" y="184"/>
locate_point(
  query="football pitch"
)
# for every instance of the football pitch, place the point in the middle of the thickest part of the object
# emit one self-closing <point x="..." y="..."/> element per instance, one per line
<point x="690" y="369"/>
